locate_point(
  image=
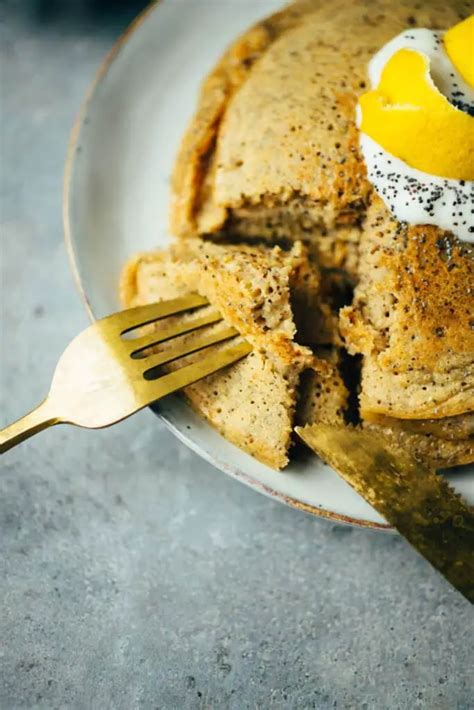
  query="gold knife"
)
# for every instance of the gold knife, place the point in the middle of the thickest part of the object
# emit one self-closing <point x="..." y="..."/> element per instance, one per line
<point x="410" y="495"/>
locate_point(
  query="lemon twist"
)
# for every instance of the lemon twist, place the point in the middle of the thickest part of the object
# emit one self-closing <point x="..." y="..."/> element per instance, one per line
<point x="412" y="120"/>
<point x="459" y="45"/>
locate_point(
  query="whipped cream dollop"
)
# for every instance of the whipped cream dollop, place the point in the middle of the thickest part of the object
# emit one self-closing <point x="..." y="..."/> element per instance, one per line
<point x="415" y="197"/>
<point x="412" y="194"/>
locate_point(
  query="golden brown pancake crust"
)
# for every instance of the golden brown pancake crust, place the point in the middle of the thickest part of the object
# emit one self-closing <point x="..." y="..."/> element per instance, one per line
<point x="413" y="320"/>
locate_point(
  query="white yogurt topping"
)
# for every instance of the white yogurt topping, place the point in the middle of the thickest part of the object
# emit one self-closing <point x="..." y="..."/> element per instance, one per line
<point x="412" y="195"/>
<point x="418" y="198"/>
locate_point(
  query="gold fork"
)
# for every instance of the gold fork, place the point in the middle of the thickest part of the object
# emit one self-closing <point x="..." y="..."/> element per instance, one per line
<point x="102" y="377"/>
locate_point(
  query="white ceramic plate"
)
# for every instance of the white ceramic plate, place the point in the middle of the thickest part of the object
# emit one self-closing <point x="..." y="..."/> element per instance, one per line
<point x="116" y="200"/>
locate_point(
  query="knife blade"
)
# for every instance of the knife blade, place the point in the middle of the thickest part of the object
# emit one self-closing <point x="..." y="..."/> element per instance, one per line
<point x="409" y="494"/>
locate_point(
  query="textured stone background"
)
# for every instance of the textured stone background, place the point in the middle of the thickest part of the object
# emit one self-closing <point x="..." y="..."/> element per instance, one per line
<point x="132" y="574"/>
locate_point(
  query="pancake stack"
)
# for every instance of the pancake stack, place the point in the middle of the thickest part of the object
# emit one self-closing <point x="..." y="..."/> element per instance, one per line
<point x="353" y="316"/>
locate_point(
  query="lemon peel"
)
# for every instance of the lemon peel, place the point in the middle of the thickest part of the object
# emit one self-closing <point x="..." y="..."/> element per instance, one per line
<point x="408" y="116"/>
<point x="459" y="46"/>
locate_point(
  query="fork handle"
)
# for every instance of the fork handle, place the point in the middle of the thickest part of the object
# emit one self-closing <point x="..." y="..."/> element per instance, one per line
<point x="37" y="420"/>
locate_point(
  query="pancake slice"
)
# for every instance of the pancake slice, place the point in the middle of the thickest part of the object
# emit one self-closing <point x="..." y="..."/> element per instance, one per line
<point x="251" y="403"/>
<point x="323" y="395"/>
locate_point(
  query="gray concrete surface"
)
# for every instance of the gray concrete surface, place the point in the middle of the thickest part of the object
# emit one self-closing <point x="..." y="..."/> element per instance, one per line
<point x="134" y="575"/>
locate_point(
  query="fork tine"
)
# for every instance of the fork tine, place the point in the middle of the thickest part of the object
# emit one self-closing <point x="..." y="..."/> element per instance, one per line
<point x="189" y="374"/>
<point x="136" y="346"/>
<point x="194" y="346"/>
<point x="142" y="315"/>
